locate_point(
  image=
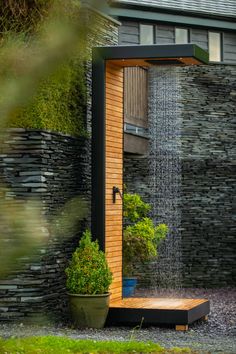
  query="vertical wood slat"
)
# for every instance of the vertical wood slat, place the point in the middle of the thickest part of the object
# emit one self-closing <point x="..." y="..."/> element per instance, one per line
<point x="114" y="176"/>
<point x="135" y="96"/>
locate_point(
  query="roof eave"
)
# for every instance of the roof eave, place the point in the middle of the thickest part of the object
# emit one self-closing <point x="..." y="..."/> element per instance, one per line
<point x="184" y="12"/>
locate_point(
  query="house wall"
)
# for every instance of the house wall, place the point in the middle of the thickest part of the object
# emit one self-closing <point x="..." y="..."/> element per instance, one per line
<point x="165" y="34"/>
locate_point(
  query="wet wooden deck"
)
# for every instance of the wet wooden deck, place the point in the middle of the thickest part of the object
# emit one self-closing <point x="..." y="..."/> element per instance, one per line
<point x="157" y="311"/>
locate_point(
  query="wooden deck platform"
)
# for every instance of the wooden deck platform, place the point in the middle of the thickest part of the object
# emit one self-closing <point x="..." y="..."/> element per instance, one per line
<point x="157" y="311"/>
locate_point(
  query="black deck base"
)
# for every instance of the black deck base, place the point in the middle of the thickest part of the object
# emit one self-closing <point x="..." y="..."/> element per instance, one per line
<point x="118" y="316"/>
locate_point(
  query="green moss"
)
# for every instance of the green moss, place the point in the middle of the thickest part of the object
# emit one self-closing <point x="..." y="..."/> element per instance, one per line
<point x="60" y="345"/>
<point x="59" y="104"/>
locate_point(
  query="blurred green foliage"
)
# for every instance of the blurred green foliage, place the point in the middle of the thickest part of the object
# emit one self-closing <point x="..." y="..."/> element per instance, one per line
<point x="28" y="16"/>
<point x="23" y="229"/>
<point x="67" y="220"/>
<point x="23" y="15"/>
<point x="59" y="101"/>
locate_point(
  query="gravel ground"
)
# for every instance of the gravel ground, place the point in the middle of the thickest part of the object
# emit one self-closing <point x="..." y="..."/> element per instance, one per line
<point x="217" y="335"/>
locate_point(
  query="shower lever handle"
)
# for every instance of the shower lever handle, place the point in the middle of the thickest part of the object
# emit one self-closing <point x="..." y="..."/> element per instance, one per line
<point x="116" y="190"/>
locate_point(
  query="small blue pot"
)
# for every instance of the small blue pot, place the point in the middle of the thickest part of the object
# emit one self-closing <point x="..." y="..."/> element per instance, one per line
<point x="129" y="285"/>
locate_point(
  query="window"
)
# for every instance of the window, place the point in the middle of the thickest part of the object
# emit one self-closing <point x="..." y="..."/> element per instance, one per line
<point x="146" y="34"/>
<point x="214" y="46"/>
<point x="134" y="129"/>
<point x="181" y="35"/>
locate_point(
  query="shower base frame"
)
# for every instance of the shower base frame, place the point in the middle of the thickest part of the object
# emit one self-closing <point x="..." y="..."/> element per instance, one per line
<point x="158" y="311"/>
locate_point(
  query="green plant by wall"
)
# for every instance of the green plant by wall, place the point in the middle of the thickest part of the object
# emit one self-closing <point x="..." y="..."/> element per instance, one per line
<point x="59" y="104"/>
<point x="142" y="238"/>
<point x="147" y="238"/>
<point x="134" y="207"/>
<point x="88" y="272"/>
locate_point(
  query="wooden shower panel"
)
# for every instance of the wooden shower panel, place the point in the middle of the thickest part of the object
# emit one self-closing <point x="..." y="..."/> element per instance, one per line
<point x="114" y="174"/>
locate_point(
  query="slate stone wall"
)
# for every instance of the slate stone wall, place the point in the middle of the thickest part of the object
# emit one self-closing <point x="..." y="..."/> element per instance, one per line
<point x="53" y="168"/>
<point x="209" y="175"/>
<point x="136" y="175"/>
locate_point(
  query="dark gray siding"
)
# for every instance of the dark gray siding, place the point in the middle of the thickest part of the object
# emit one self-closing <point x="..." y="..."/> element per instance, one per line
<point x="165" y="34"/>
<point x="129" y="33"/>
<point x="229" y="41"/>
<point x="200" y="37"/>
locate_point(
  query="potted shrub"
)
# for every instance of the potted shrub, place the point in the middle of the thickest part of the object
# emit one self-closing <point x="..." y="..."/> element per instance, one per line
<point x="141" y="239"/>
<point x="88" y="281"/>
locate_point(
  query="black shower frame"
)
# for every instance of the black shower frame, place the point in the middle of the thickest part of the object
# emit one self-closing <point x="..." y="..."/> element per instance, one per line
<point x="99" y="57"/>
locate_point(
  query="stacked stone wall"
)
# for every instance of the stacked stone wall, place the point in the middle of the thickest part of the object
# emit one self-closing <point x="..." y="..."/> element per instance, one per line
<point x="209" y="175"/>
<point x="136" y="175"/>
<point x="52" y="168"/>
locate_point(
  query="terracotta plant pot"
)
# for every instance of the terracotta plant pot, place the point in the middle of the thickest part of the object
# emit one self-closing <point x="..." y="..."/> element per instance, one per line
<point x="89" y="311"/>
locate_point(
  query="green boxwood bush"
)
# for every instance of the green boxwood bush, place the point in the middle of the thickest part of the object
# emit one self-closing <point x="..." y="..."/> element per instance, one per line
<point x="88" y="272"/>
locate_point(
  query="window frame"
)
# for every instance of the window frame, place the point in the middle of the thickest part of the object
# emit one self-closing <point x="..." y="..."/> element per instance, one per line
<point x="221" y="36"/>
<point x="153" y="32"/>
<point x="188" y="34"/>
<point x="137" y="130"/>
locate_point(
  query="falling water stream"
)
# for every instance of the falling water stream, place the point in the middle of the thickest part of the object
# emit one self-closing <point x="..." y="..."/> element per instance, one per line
<point x="165" y="171"/>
